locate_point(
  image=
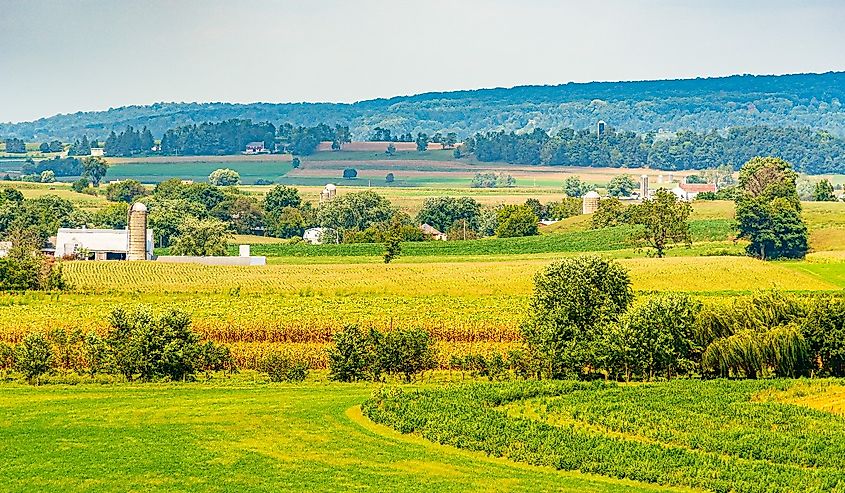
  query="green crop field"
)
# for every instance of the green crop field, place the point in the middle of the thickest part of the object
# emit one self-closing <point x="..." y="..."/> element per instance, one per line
<point x="719" y="435"/>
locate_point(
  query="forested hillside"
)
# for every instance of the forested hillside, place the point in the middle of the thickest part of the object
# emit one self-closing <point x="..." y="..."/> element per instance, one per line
<point x="804" y="100"/>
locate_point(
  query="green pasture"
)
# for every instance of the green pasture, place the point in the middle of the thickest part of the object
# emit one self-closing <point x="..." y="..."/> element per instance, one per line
<point x="154" y="172"/>
<point x="606" y="239"/>
<point x="238" y="436"/>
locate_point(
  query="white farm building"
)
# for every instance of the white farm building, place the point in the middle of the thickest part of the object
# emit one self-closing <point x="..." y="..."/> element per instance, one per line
<point x="132" y="243"/>
<point x="98" y="244"/>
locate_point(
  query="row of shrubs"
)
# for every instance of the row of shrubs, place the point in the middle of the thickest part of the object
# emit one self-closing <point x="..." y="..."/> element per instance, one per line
<point x="143" y="346"/>
<point x="139" y="346"/>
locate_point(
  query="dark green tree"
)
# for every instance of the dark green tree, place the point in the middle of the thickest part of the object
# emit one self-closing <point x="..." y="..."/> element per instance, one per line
<point x="34" y="356"/>
<point x="824" y="191"/>
<point x="621" y="186"/>
<point x="422" y="142"/>
<point x="768" y="212"/>
<point x="95" y="169"/>
<point x="442" y="212"/>
<point x="664" y="219"/>
<point x="279" y="197"/>
<point x="125" y="191"/>
<point x="392" y="247"/>
<point x="572" y="303"/>
<point x="515" y="221"/>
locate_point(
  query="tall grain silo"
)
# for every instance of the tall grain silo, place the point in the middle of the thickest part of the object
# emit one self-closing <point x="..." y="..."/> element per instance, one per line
<point x="590" y="202"/>
<point x="137" y="232"/>
<point x="644" y="187"/>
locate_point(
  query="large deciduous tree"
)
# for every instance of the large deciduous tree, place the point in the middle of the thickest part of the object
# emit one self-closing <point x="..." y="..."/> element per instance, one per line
<point x="201" y="237"/>
<point x="664" y="220"/>
<point x="516" y="220"/>
<point x="768" y="211"/>
<point x="621" y="186"/>
<point x="224" y="177"/>
<point x="443" y="212"/>
<point x="356" y="210"/>
<point x="94" y="168"/>
<point x="572" y="303"/>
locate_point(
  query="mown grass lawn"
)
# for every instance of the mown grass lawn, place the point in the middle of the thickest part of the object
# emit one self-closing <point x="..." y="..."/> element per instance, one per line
<point x="243" y="437"/>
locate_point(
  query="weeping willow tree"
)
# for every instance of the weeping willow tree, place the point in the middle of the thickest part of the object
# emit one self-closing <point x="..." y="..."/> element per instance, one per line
<point x="782" y="351"/>
<point x="755" y="336"/>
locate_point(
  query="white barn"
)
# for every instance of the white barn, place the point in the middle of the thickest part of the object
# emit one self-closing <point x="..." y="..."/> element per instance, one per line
<point x="100" y="244"/>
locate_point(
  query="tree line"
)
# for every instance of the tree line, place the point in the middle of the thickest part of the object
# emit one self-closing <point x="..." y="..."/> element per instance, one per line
<point x="810" y="151"/>
<point x="801" y="100"/>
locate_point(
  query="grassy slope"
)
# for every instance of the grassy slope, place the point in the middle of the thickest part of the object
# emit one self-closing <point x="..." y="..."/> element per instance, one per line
<point x="212" y="438"/>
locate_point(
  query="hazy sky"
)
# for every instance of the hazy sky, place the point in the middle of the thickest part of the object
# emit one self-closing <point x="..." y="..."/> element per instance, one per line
<point x="64" y="56"/>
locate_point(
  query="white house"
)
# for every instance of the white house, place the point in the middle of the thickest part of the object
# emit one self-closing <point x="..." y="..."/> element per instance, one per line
<point x="97" y="244"/>
<point x="318" y="236"/>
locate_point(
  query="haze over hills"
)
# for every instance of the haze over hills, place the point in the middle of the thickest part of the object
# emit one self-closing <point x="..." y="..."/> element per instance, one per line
<point x="799" y="100"/>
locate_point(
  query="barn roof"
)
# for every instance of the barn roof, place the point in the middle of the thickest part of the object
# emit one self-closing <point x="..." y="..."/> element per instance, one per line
<point x="698" y="187"/>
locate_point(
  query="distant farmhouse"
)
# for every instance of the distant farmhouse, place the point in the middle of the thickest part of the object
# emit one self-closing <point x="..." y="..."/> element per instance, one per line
<point x="432" y="232"/>
<point x="256" y="148"/>
<point x="688" y="191"/>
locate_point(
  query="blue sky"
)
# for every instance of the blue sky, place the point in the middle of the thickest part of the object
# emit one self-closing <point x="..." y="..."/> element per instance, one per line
<point x="62" y="56"/>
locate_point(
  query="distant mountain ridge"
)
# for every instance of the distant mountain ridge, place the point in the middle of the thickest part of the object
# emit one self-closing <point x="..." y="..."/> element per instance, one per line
<point x="718" y="103"/>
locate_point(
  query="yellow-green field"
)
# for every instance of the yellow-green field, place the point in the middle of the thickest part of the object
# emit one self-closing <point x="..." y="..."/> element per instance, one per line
<point x="433" y="278"/>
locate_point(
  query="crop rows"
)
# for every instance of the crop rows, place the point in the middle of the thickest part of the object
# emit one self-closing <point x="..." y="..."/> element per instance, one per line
<point x="711" y="435"/>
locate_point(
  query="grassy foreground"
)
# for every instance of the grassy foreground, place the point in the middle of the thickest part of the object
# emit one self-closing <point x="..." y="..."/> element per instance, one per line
<point x="240" y="437"/>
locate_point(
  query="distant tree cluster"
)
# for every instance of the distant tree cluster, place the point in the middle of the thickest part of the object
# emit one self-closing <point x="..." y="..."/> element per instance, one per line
<point x="215" y="139"/>
<point x="493" y="180"/>
<point x="129" y="142"/>
<point x="384" y="135"/>
<point x="810" y="151"/>
<point x="15" y="146"/>
<point x="80" y="147"/>
<point x="302" y="141"/>
<point x="52" y="146"/>
<point x="69" y="166"/>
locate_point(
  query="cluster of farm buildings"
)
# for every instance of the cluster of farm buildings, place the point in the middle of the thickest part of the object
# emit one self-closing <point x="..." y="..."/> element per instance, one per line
<point x="136" y="241"/>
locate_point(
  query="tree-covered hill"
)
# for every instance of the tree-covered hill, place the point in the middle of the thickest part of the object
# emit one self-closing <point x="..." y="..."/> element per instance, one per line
<point x="801" y="100"/>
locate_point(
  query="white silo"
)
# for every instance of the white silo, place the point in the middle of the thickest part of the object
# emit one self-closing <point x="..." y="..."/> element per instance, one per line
<point x="590" y="202"/>
<point x="137" y="226"/>
<point x="328" y="193"/>
<point x="644" y="187"/>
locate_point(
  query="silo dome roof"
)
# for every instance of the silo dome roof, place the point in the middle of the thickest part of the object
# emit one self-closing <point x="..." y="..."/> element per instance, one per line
<point x="592" y="194"/>
<point x="139" y="207"/>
